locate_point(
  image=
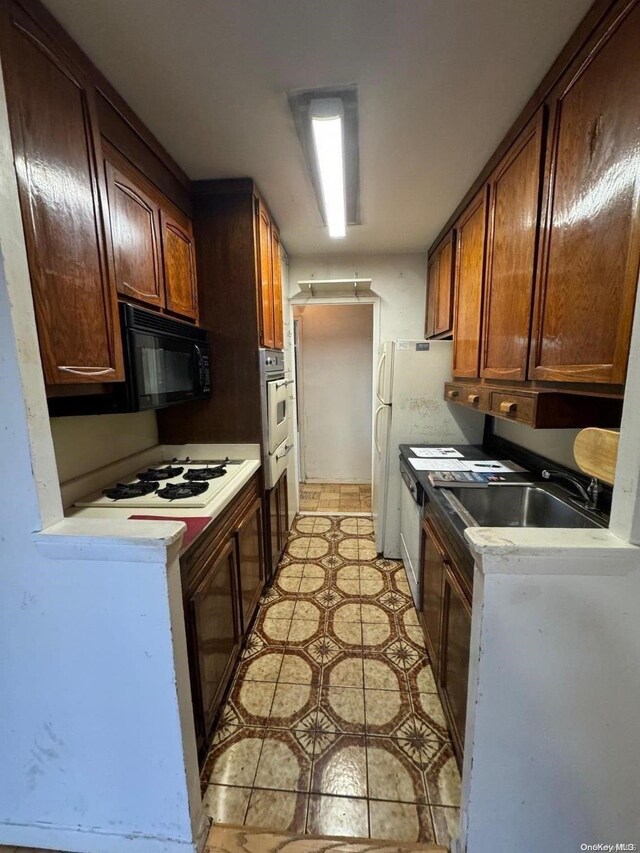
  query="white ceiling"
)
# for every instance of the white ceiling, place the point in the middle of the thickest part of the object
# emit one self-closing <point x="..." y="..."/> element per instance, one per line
<point x="440" y="82"/>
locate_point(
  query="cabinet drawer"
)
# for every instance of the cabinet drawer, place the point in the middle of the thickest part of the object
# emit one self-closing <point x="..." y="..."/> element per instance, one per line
<point x="470" y="395"/>
<point x="518" y="407"/>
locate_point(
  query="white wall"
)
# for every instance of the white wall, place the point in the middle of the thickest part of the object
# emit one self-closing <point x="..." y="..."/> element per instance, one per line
<point x="83" y="444"/>
<point x="399" y="281"/>
<point x="555" y="444"/>
<point x="336" y="345"/>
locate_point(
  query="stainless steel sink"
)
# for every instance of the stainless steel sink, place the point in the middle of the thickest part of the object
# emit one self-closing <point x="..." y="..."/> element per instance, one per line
<point x="517" y="506"/>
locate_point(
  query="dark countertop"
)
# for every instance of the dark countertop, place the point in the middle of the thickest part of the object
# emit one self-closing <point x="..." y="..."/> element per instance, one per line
<point x="436" y="505"/>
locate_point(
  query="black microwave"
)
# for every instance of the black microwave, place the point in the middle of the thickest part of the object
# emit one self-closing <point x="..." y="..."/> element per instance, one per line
<point x="166" y="362"/>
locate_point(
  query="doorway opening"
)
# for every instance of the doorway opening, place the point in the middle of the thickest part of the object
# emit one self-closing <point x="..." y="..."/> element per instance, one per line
<point x="334" y="364"/>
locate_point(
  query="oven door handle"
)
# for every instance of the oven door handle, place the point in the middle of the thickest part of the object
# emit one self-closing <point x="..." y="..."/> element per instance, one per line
<point x="287" y="449"/>
<point x="284" y="383"/>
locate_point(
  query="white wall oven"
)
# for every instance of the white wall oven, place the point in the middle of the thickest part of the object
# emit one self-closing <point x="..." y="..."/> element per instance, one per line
<point x="275" y="415"/>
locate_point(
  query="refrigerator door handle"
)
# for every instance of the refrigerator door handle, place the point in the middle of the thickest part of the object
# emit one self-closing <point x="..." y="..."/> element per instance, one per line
<point x="383" y="358"/>
<point x="375" y="428"/>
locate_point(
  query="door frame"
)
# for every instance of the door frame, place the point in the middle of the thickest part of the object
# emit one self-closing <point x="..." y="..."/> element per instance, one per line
<point x="302" y="300"/>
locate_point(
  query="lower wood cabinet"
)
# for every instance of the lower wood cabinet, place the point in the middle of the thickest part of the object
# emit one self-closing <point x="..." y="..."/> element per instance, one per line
<point x="223" y="575"/>
<point x="278" y="519"/>
<point x="446" y="620"/>
<point x="453" y="673"/>
<point x="215" y="634"/>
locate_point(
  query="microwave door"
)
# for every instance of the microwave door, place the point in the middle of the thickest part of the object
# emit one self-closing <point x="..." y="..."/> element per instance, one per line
<point x="166" y="370"/>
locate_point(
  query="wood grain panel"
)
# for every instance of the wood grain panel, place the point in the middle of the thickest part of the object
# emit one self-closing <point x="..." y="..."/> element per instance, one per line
<point x="513" y="228"/>
<point x="276" y="285"/>
<point x="432" y="284"/>
<point x="444" y="289"/>
<point x="591" y="236"/>
<point x="266" y="277"/>
<point x="469" y="281"/>
<point x="56" y="154"/>
<point x="179" y="264"/>
<point x="134" y="220"/>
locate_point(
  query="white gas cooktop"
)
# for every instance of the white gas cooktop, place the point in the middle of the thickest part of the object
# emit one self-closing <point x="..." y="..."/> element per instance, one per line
<point x="181" y="483"/>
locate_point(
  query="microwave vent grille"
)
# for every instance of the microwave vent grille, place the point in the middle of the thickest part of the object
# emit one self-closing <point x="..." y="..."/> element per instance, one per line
<point x="143" y="320"/>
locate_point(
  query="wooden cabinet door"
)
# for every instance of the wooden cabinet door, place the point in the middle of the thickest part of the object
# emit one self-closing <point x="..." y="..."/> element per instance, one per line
<point x="216" y="635"/>
<point x="274" y="529"/>
<point x="283" y="512"/>
<point x="469" y="283"/>
<point x="433" y="557"/>
<point x="265" y="271"/>
<point x="134" y="218"/>
<point x="456" y="645"/>
<point x="179" y="264"/>
<point x="57" y="151"/>
<point x="276" y="283"/>
<point x="432" y="285"/>
<point x="443" y="309"/>
<point x="590" y="241"/>
<point x="513" y="227"/>
<point x="251" y="561"/>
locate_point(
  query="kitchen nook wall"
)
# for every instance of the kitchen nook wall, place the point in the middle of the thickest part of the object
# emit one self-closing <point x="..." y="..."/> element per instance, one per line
<point x="554" y="444"/>
<point x="399" y="281"/>
<point x="83" y="444"/>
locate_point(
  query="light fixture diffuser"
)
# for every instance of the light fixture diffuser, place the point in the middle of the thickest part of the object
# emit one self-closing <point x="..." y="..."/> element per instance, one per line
<point x="327" y="130"/>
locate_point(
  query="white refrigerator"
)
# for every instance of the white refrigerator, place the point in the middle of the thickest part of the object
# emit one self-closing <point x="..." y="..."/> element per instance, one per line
<point x="410" y="408"/>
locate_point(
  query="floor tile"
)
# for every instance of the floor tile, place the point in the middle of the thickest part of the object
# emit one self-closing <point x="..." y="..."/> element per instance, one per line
<point x="299" y="667"/>
<point x="334" y="699"/>
<point x="265" y="666"/>
<point x="345" y="671"/>
<point x="234" y="762"/>
<point x="226" y="804"/>
<point x="292" y="702"/>
<point x="396" y="821"/>
<point x="446" y="824"/>
<point x="345" y="706"/>
<point x="283" y="763"/>
<point x="391" y="774"/>
<point x="283" y="810"/>
<point x="251" y="701"/>
<point x="342" y="816"/>
<point x="340" y="767"/>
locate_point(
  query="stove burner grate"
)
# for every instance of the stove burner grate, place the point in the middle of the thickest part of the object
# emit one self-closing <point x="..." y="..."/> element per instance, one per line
<point x="195" y="474"/>
<point x="160" y="473"/>
<point x="179" y="491"/>
<point x="130" y="490"/>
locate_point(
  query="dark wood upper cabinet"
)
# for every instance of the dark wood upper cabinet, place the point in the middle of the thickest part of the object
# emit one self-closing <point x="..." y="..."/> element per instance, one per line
<point x="590" y="239"/>
<point x="440" y="290"/>
<point x="469" y="283"/>
<point x="514" y="191"/>
<point x="276" y="275"/>
<point x="179" y="263"/>
<point x="57" y="152"/>
<point x="134" y="218"/>
<point x="432" y="286"/>
<point x="269" y="265"/>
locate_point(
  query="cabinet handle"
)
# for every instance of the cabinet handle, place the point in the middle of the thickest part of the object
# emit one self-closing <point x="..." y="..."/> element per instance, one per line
<point x="508" y="407"/>
<point x="141" y="293"/>
<point x="86" y="371"/>
<point x="453" y="394"/>
<point x="473" y="399"/>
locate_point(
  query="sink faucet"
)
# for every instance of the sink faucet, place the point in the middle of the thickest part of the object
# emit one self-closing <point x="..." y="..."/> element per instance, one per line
<point x="590" y="494"/>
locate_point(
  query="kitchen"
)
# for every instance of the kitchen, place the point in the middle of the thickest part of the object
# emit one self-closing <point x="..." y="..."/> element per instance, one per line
<point x="149" y="373"/>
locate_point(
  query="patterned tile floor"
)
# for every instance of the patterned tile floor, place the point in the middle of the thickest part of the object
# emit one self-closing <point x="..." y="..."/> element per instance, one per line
<point x="334" y="497"/>
<point x="333" y="725"/>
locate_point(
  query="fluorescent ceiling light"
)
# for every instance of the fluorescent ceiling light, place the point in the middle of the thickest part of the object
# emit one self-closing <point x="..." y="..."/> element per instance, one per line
<point x="327" y="131"/>
<point x="326" y="122"/>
